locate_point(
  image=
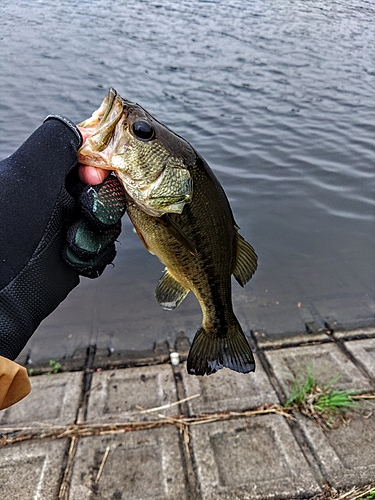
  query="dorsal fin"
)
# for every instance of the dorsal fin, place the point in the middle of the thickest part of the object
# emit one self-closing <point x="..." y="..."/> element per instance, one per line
<point x="246" y="261"/>
<point x="169" y="292"/>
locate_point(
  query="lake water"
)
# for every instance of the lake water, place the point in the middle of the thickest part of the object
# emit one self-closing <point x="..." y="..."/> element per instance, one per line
<point x="278" y="97"/>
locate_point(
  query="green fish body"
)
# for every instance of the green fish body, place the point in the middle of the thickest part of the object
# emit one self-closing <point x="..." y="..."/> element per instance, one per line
<point x="189" y="226"/>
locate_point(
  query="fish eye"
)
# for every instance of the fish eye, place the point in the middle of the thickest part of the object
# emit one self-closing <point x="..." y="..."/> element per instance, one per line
<point x="143" y="130"/>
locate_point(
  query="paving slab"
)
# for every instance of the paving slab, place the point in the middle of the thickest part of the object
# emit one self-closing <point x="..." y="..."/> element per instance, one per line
<point x="364" y="353"/>
<point x="115" y="395"/>
<point x="32" y="470"/>
<point x="227" y="390"/>
<point x="54" y="400"/>
<point x="142" y="465"/>
<point x="251" y="458"/>
<point x="346" y="454"/>
<point x="325" y="361"/>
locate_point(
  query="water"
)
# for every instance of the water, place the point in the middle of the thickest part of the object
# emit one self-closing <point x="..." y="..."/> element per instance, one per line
<point x="277" y="96"/>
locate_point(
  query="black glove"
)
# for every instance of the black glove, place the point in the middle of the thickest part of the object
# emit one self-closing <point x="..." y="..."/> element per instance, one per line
<point x="90" y="239"/>
<point x="52" y="228"/>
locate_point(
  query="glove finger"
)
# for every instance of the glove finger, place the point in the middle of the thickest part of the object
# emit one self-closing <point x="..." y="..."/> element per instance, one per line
<point x="104" y="204"/>
<point x="90" y="268"/>
<point x="87" y="242"/>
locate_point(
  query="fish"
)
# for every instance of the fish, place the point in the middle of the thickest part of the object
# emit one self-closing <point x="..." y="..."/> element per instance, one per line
<point x="182" y="215"/>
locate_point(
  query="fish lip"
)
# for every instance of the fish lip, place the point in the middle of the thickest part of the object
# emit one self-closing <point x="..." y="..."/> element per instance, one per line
<point x="100" y="127"/>
<point x="102" y="112"/>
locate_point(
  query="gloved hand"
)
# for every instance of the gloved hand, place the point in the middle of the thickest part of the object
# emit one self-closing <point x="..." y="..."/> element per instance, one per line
<point x="52" y="229"/>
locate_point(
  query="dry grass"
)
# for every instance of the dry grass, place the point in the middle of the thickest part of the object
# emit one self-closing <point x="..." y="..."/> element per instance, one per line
<point x="323" y="405"/>
<point x="356" y="493"/>
<point x="84" y="430"/>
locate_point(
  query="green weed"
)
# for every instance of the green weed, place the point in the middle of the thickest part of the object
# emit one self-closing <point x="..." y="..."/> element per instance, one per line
<point x="301" y="390"/>
<point x="322" y="404"/>
<point x="55" y="366"/>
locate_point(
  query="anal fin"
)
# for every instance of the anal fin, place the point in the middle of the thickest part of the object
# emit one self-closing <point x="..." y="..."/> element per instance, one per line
<point x="169" y="292"/>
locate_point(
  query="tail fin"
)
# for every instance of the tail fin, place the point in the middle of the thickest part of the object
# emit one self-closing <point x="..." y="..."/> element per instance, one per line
<point x="211" y="352"/>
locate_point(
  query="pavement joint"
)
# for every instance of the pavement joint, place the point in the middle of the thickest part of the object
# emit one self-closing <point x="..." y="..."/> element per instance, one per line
<point x="272" y="378"/>
<point x="185" y="446"/>
<point x="357" y="362"/>
<point x="86" y="386"/>
<point x="66" y="476"/>
<point x="81" y="413"/>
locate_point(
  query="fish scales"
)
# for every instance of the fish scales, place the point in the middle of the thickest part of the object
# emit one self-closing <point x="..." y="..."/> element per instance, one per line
<point x="201" y="273"/>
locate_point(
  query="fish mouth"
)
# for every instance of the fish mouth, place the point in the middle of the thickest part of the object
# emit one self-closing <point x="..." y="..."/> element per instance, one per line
<point x="102" y="112"/>
<point x="99" y="129"/>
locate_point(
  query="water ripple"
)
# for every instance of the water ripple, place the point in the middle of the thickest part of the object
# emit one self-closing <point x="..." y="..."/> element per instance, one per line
<point x="278" y="96"/>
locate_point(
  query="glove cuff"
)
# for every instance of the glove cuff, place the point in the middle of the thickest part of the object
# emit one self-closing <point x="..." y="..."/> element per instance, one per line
<point x="69" y="123"/>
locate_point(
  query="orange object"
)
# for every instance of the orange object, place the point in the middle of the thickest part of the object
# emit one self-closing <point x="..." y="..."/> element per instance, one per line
<point x="14" y="383"/>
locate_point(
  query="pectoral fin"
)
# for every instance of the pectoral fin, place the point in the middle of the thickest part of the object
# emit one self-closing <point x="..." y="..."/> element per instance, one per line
<point x="246" y="261"/>
<point x="175" y="230"/>
<point x="169" y="292"/>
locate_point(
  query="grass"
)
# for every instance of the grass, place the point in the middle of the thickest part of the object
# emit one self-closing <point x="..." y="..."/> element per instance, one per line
<point x="323" y="404"/>
<point x="55" y="366"/>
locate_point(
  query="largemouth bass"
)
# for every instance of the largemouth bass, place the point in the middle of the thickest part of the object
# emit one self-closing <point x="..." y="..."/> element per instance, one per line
<point x="182" y="215"/>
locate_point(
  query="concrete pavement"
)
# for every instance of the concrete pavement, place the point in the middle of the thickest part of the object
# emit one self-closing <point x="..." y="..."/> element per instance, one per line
<point x="90" y="434"/>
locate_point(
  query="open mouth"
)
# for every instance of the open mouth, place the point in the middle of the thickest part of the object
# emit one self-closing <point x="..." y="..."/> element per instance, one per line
<point x="98" y="131"/>
<point x="101" y="113"/>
